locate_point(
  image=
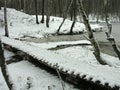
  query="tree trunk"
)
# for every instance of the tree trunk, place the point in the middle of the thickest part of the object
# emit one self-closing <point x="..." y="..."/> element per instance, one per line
<point x="36" y="11"/>
<point x="71" y="29"/>
<point x="47" y="20"/>
<point x="24" y="9"/>
<point x="20" y="5"/>
<point x="74" y="9"/>
<point x="65" y="15"/>
<point x="48" y="9"/>
<point x="59" y="5"/>
<point x="113" y="43"/>
<point x="5" y="20"/>
<point x="43" y="1"/>
<point x="4" y="68"/>
<point x="61" y="25"/>
<point x="94" y="43"/>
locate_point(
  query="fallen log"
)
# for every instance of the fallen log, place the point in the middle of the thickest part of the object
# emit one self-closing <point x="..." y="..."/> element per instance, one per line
<point x="79" y="80"/>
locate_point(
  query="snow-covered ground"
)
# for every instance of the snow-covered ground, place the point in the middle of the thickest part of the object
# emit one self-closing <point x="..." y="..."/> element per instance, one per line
<point x="23" y="25"/>
<point x="24" y="73"/>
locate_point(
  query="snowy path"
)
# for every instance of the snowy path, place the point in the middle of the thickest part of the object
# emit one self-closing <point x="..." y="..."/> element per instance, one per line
<point x="104" y="74"/>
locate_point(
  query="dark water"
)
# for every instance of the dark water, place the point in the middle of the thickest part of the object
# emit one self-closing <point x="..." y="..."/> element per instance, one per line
<point x="100" y="36"/>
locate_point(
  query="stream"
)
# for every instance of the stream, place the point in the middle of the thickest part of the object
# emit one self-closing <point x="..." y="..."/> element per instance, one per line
<point x="100" y="36"/>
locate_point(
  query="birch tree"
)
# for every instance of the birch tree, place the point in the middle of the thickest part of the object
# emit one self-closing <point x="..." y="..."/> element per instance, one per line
<point x="5" y="19"/>
<point x="110" y="38"/>
<point x="92" y="39"/>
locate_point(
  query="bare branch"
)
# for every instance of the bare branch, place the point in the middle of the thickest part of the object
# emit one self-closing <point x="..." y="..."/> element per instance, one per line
<point x="62" y="83"/>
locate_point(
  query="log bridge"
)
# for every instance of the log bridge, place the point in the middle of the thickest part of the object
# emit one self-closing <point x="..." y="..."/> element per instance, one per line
<point x="47" y="60"/>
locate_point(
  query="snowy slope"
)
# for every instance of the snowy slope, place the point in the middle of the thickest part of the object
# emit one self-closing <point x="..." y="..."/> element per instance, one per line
<point x="23" y="25"/>
<point x="91" y="68"/>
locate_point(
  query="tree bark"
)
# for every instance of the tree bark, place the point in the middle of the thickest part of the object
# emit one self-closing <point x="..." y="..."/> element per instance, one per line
<point x="64" y="16"/>
<point x="4" y="68"/>
<point x="59" y="5"/>
<point x="92" y="39"/>
<point x="43" y="1"/>
<point x="48" y="9"/>
<point x="5" y="20"/>
<point x="36" y="11"/>
<point x="72" y="26"/>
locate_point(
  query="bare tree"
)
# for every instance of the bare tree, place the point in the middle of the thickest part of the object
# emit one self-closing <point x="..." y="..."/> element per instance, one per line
<point x="4" y="68"/>
<point x="36" y="12"/>
<point x="74" y="8"/>
<point x="43" y="1"/>
<point x="62" y="82"/>
<point x="92" y="39"/>
<point x="72" y="26"/>
<point x="65" y="15"/>
<point x="5" y="19"/>
<point x="49" y="10"/>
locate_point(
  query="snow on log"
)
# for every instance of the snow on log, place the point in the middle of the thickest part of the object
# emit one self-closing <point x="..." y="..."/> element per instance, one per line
<point x="102" y="74"/>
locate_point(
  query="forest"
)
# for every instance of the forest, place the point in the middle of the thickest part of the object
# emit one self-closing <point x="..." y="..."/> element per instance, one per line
<point x="58" y="7"/>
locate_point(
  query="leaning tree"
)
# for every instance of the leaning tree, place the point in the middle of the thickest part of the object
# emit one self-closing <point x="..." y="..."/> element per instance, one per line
<point x="110" y="38"/>
<point x="91" y="38"/>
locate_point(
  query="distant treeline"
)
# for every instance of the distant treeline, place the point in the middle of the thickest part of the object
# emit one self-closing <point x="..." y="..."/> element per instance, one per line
<point x="58" y="7"/>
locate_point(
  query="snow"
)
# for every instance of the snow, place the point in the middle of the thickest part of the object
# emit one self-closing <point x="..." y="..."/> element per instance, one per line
<point x="8" y="54"/>
<point x="84" y="64"/>
<point x="23" y="25"/>
<point x="49" y="45"/>
<point x="39" y="79"/>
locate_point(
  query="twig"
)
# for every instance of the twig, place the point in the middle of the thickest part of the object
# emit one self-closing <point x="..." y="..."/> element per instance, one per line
<point x="62" y="83"/>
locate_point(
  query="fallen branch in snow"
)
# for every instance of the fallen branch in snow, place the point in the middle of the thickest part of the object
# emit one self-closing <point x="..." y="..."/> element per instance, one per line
<point x="62" y="83"/>
<point x="68" y="45"/>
